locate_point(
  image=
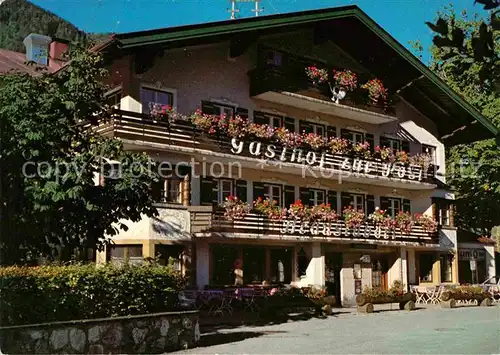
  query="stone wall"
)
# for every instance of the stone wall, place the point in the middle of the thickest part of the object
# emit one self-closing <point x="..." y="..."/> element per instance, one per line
<point x="145" y="334"/>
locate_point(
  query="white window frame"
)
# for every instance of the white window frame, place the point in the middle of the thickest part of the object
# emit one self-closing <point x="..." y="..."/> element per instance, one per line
<point x="269" y="193"/>
<point x="394" y="144"/>
<point x="432" y="154"/>
<point x="392" y="207"/>
<point x="160" y="88"/>
<point x="354" y="135"/>
<point x="223" y="107"/>
<point x="441" y="217"/>
<point x="356" y="203"/>
<point x="315" y="199"/>
<point x="315" y="129"/>
<point x="220" y="190"/>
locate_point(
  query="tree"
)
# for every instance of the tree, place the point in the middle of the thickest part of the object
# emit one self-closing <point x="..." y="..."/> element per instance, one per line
<point x="465" y="54"/>
<point x="50" y="156"/>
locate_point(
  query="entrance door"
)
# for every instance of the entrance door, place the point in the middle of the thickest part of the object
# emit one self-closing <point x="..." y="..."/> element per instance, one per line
<point x="380" y="272"/>
<point x="281" y="266"/>
<point x="333" y="266"/>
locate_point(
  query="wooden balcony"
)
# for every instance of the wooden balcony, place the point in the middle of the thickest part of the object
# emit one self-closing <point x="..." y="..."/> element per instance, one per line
<point x="183" y="137"/>
<point x="291" y="87"/>
<point x="254" y="226"/>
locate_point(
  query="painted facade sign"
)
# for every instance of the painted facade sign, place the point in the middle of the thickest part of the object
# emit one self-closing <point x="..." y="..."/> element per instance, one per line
<point x="471" y="254"/>
<point x="327" y="161"/>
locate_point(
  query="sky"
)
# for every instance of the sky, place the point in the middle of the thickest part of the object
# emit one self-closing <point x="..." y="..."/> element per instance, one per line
<point x="403" y="19"/>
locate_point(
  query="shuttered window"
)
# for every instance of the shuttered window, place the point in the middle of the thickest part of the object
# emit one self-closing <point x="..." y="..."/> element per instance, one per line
<point x="241" y="190"/>
<point x="289" y="195"/>
<point x="332" y="200"/>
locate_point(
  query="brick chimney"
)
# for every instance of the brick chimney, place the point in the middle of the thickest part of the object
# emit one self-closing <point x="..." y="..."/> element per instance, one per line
<point x="57" y="49"/>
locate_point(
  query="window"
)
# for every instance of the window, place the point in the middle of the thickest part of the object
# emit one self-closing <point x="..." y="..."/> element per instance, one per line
<point x="358" y="202"/>
<point x="268" y="119"/>
<point x="169" y="255"/>
<point x="121" y="253"/>
<point x="274" y="58"/>
<point x="273" y="192"/>
<point x="170" y="186"/>
<point x="317" y="197"/>
<point x="220" y="110"/>
<point x="151" y="97"/>
<point x="426" y="262"/>
<point x="223" y="189"/>
<point x="113" y="98"/>
<point x="446" y="267"/>
<point x="352" y="136"/>
<point x="394" y="207"/>
<point x="318" y="129"/>
<point x="444" y="212"/>
<point x="394" y="144"/>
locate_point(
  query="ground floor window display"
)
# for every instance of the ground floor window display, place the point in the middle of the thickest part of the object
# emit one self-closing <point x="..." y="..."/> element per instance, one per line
<point x="472" y="268"/>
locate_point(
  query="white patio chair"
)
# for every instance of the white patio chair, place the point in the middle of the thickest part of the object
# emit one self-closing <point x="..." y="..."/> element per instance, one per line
<point x="432" y="293"/>
<point x="421" y="293"/>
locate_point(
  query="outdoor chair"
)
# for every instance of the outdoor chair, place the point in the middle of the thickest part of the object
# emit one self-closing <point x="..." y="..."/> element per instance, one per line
<point x="433" y="295"/>
<point x="421" y="293"/>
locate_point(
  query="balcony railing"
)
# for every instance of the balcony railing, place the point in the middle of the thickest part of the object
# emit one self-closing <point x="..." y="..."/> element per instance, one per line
<point x="261" y="227"/>
<point x="184" y="136"/>
<point x="291" y="87"/>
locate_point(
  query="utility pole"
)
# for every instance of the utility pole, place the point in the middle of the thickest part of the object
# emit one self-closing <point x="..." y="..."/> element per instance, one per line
<point x="233" y="10"/>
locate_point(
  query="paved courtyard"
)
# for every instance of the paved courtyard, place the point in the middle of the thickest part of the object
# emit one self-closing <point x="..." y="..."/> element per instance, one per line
<point x="466" y="330"/>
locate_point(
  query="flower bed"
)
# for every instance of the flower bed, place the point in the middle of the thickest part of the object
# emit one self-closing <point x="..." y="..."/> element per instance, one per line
<point x="395" y="294"/>
<point x="465" y="293"/>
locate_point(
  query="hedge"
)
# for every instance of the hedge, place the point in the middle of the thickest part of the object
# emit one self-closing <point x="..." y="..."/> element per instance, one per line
<point x="57" y="293"/>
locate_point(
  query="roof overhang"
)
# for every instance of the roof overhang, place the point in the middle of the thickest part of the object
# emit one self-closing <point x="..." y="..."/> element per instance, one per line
<point x="457" y="121"/>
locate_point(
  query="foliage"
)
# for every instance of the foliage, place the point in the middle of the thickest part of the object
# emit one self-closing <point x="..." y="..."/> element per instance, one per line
<point x="363" y="150"/>
<point x="237" y="127"/>
<point x="60" y="293"/>
<point x="323" y="212"/>
<point x="376" y="91"/>
<point x="428" y="223"/>
<point x="397" y="289"/>
<point x="402" y="156"/>
<point x="314" y="141"/>
<point x="473" y="44"/>
<point x="288" y="139"/>
<point x="19" y="18"/>
<point x="465" y="56"/>
<point x="48" y="195"/>
<point x="378" y="216"/>
<point x="386" y="154"/>
<point x="315" y="293"/>
<point x="353" y="218"/>
<point x="234" y="208"/>
<point x="345" y="79"/>
<point x="297" y="210"/>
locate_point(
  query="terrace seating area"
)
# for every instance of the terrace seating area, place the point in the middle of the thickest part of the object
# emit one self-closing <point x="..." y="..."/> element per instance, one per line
<point x="429" y="295"/>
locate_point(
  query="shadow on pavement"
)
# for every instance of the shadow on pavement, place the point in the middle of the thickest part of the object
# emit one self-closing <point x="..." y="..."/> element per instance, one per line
<point x="217" y="338"/>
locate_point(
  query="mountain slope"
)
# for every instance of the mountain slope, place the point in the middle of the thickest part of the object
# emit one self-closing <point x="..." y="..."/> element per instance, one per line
<point x="19" y="18"/>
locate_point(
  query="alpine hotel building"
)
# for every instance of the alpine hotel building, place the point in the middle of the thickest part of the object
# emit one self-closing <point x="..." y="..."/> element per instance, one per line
<point x="256" y="69"/>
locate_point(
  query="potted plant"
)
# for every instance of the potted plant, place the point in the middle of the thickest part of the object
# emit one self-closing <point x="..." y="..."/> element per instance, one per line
<point x="377" y="217"/>
<point x="314" y="141"/>
<point x="269" y="208"/>
<point x="260" y="131"/>
<point x="287" y="139"/>
<point x="427" y="222"/>
<point x="205" y="123"/>
<point x="237" y="127"/>
<point x="377" y="93"/>
<point x="324" y="213"/>
<point x="404" y="222"/>
<point x="362" y="150"/>
<point x="338" y="145"/>
<point x="317" y="76"/>
<point x="298" y="211"/>
<point x="353" y="218"/>
<point x="402" y="156"/>
<point x="424" y="160"/>
<point x="234" y="208"/>
<point x="385" y="154"/>
<point x="342" y="82"/>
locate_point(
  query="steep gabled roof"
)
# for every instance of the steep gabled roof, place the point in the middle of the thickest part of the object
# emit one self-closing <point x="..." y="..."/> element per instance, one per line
<point x="364" y="40"/>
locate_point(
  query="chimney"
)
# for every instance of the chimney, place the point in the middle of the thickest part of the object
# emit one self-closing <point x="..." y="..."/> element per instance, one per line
<point x="37" y="48"/>
<point x="58" y="47"/>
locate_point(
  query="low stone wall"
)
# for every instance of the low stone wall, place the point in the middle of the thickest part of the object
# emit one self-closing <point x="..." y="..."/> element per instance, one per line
<point x="144" y="334"/>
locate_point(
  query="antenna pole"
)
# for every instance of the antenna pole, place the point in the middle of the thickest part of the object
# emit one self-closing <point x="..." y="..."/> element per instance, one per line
<point x="257" y="10"/>
<point x="233" y="10"/>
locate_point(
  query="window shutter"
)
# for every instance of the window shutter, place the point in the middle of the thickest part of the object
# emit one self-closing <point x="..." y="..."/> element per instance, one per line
<point x="289" y="124"/>
<point x="156" y="189"/>
<point x="332" y="200"/>
<point x="371" y="140"/>
<point x="260" y="118"/>
<point x="242" y="112"/>
<point x="406" y="205"/>
<point x="452" y="215"/>
<point x="385" y="203"/>
<point x="331" y="132"/>
<point x="435" y="211"/>
<point x="241" y="190"/>
<point x="305" y="196"/>
<point x="258" y="190"/>
<point x="346" y="200"/>
<point x="207" y="191"/>
<point x="370" y="204"/>
<point x="305" y="127"/>
<point x="384" y="142"/>
<point x="208" y="108"/>
<point x="289" y="197"/>
<point x="405" y="146"/>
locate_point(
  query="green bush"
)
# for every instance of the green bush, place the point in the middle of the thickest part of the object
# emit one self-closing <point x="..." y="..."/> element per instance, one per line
<point x="56" y="293"/>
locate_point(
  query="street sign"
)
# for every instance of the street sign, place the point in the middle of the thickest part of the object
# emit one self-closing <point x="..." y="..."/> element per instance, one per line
<point x="472" y="265"/>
